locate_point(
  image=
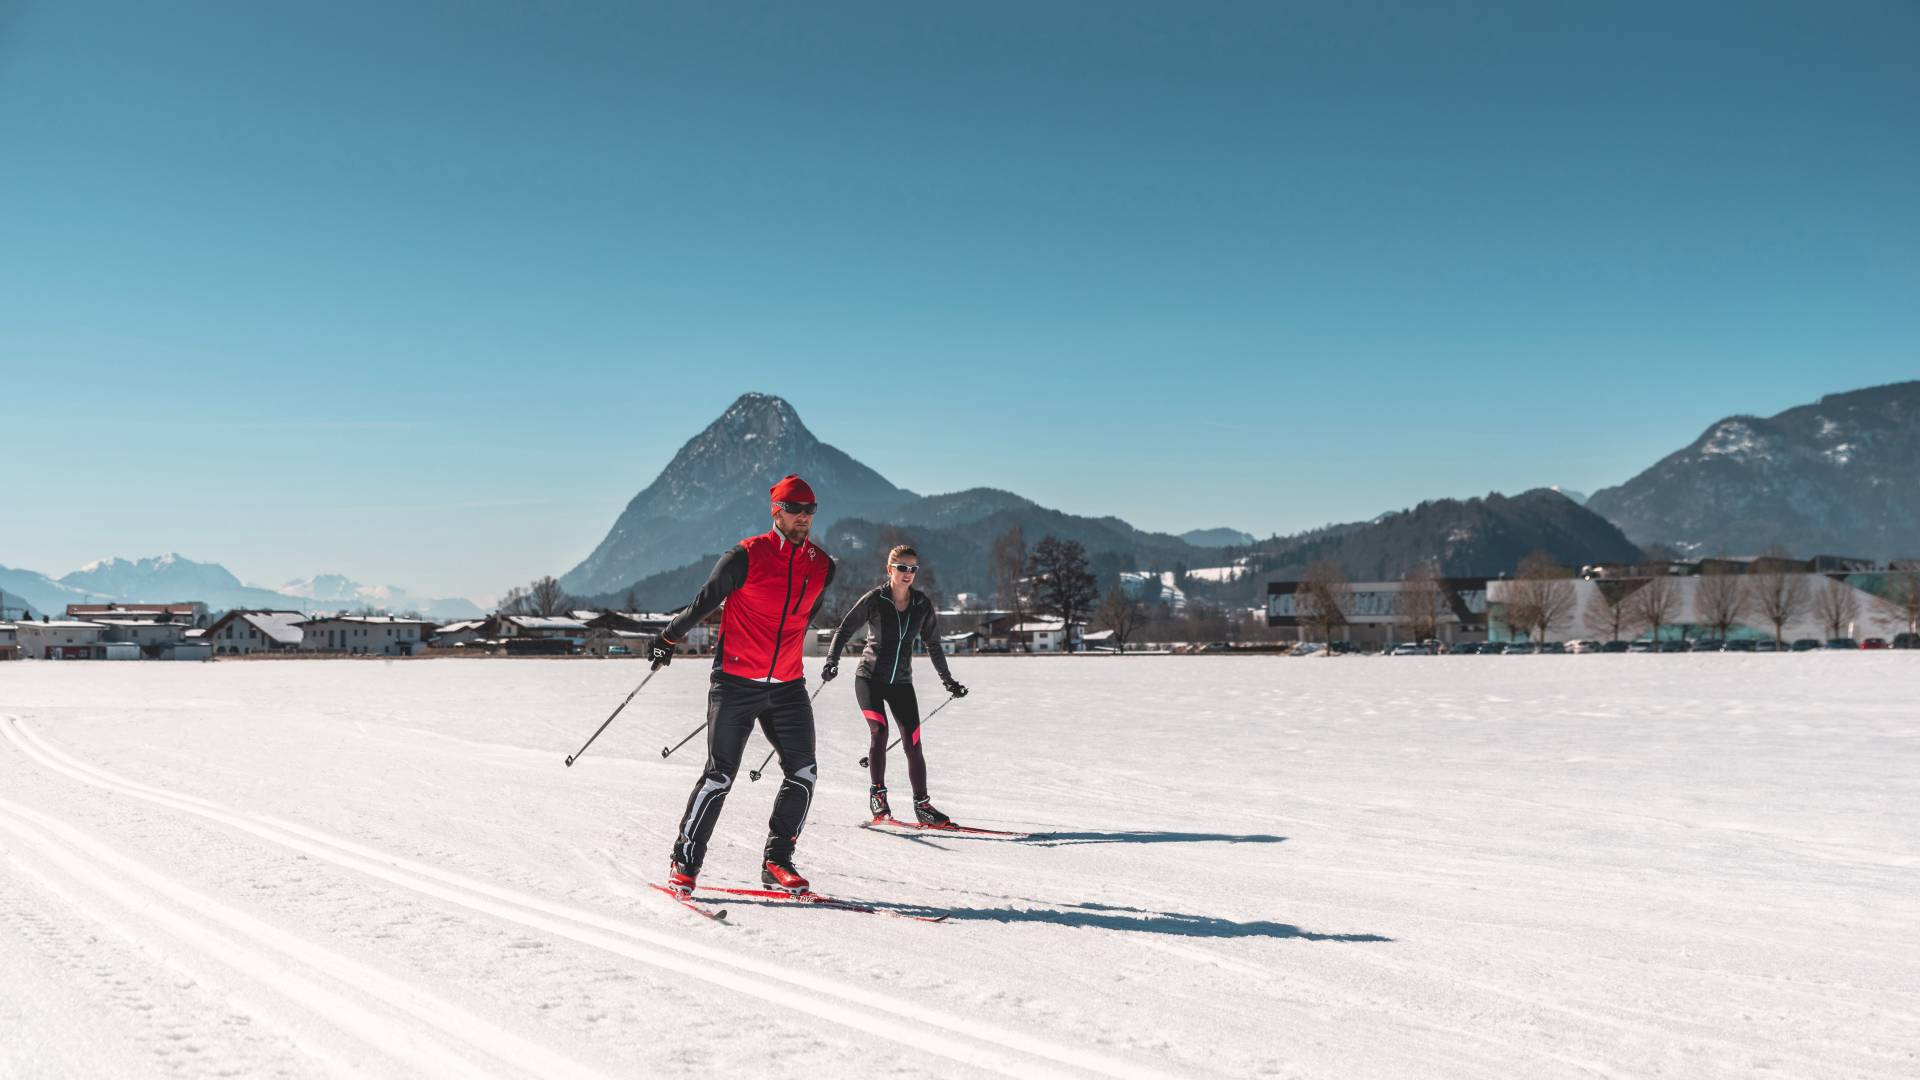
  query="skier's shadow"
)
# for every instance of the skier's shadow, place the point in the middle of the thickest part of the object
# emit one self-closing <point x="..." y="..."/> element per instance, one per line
<point x="1143" y="836"/>
<point x="1073" y="839"/>
<point x="1137" y="920"/>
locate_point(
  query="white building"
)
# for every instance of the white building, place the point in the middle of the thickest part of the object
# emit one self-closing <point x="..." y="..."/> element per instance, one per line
<point x="456" y="634"/>
<point x="240" y="633"/>
<point x="61" y="639"/>
<point x="9" y="642"/>
<point x="147" y="636"/>
<point x="1046" y="635"/>
<point x="364" y="635"/>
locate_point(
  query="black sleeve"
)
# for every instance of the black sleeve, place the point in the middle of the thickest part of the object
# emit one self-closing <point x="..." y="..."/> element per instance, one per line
<point x="930" y="633"/>
<point x="821" y="600"/>
<point x="728" y="574"/>
<point x="859" y="615"/>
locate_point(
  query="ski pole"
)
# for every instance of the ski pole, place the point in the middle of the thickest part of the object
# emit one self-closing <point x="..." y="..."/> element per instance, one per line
<point x="668" y="751"/>
<point x="754" y="774"/>
<point x="923" y="723"/>
<point x="603" y="726"/>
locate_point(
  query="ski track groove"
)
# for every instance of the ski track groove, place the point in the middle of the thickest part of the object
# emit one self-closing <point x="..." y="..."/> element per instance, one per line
<point x="974" y="1043"/>
<point x="248" y="945"/>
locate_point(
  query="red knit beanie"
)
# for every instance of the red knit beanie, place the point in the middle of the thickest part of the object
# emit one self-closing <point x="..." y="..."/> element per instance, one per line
<point x="793" y="489"/>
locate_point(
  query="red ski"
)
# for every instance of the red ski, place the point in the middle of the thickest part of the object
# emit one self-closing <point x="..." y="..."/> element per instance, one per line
<point x="716" y="914"/>
<point x="880" y="823"/>
<point x="811" y="897"/>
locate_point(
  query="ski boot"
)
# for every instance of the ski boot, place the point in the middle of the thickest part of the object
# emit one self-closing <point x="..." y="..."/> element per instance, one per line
<point x="680" y="879"/>
<point x="776" y="867"/>
<point x="923" y="810"/>
<point x="877" y="802"/>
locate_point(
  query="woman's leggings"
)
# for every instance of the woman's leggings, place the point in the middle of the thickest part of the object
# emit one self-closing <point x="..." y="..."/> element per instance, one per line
<point x="875" y="699"/>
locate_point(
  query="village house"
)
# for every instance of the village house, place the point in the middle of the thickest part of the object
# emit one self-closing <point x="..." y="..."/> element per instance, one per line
<point x="192" y="613"/>
<point x="458" y="635"/>
<point x="243" y="632"/>
<point x="364" y="635"/>
<point x="9" y="642"/>
<point x="62" y="639"/>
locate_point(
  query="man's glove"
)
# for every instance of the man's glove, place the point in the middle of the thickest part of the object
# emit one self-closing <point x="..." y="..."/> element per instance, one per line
<point x="953" y="686"/>
<point x="828" y="672"/>
<point x="660" y="651"/>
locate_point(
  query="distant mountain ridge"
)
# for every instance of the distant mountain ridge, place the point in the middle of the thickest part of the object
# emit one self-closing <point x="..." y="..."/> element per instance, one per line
<point x="1840" y="476"/>
<point x="173" y="577"/>
<point x="1479" y="537"/>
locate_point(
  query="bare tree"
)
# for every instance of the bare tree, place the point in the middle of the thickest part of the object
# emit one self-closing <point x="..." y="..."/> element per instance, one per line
<point x="1007" y="567"/>
<point x="1321" y="599"/>
<point x="1654" y="605"/>
<point x="1837" y="605"/>
<point x="1779" y="594"/>
<point x="1545" y="594"/>
<point x="1121" y="614"/>
<point x="1607" y="614"/>
<point x="545" y="597"/>
<point x="1062" y="584"/>
<point x="1902" y="599"/>
<point x="1421" y="604"/>
<point x="515" y="602"/>
<point x="633" y="600"/>
<point x="1720" y="598"/>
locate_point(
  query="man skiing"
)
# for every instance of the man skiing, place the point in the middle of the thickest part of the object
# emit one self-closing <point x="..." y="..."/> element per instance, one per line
<point x="773" y="585"/>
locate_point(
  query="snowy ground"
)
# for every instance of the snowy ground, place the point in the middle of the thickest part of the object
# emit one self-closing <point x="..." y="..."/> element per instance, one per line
<point x="1454" y="866"/>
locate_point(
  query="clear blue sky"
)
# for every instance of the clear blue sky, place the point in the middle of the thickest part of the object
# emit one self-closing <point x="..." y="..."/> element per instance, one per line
<point x="425" y="293"/>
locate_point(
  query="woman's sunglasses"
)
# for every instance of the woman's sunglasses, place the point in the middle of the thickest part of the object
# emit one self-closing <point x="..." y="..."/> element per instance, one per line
<point x="906" y="567"/>
<point x="798" y="508"/>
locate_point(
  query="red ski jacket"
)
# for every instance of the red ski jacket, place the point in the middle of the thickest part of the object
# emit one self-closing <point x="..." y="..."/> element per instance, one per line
<point x="772" y="588"/>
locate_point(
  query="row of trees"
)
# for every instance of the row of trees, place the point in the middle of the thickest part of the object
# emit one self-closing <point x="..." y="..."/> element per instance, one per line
<point x="1541" y="601"/>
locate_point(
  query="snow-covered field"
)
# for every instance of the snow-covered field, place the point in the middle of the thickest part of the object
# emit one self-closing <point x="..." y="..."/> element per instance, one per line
<point x="1456" y="866"/>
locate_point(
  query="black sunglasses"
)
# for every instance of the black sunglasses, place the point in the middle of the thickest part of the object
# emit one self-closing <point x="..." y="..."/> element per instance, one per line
<point x="906" y="567"/>
<point x="798" y="508"/>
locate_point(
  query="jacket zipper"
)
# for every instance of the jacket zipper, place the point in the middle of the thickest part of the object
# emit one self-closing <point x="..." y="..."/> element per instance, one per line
<point x="780" y="625"/>
<point x="898" y="615"/>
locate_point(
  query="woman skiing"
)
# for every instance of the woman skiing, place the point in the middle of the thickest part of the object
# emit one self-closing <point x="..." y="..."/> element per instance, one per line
<point x="893" y="613"/>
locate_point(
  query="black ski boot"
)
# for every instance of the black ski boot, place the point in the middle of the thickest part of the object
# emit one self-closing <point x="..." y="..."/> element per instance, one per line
<point x="877" y="802"/>
<point x="924" y="811"/>
<point x="776" y="867"/>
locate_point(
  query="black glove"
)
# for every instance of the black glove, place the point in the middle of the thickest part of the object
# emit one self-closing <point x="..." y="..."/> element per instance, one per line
<point x="660" y="651"/>
<point x="833" y="668"/>
<point x="953" y="686"/>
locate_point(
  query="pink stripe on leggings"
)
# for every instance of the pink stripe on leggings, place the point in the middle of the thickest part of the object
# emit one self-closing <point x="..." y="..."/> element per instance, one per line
<point x="875" y="715"/>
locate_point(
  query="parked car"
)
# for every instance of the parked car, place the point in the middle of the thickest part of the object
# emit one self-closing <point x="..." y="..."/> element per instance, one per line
<point x="1709" y="645"/>
<point x="1768" y="645"/>
<point x="1682" y="645"/>
<point x="1464" y="648"/>
<point x="1807" y="644"/>
<point x="1305" y="648"/>
<point x="1618" y="646"/>
<point x="1555" y="647"/>
<point x="1906" y="641"/>
<point x="1742" y="645"/>
<point x="1843" y="643"/>
<point x="1644" y="646"/>
<point x="1493" y="648"/>
<point x="1583" y="645"/>
<point x="1408" y="648"/>
<point x="1520" y="648"/>
<point x="1874" y="643"/>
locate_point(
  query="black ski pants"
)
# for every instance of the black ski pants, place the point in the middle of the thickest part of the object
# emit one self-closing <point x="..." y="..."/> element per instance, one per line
<point x="783" y="712"/>
<point x="875" y="698"/>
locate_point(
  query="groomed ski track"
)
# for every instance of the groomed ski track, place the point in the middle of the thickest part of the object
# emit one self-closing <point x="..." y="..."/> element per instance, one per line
<point x="1397" y="868"/>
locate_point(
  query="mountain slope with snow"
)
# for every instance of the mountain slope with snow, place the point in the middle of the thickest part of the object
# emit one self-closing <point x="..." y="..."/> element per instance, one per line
<point x="1840" y="476"/>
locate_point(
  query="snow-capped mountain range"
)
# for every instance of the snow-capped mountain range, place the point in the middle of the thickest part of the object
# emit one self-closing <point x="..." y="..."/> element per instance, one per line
<point x="173" y="577"/>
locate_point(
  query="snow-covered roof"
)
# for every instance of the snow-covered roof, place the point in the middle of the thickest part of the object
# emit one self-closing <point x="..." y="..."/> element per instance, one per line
<point x="65" y="624"/>
<point x="281" y="626"/>
<point x="1037" y="627"/>
<point x="368" y="620"/>
<point x="464" y="624"/>
<point x="546" y="622"/>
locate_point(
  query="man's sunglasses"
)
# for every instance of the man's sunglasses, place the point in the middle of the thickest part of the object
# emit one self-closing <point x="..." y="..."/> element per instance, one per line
<point x="797" y="508"/>
<point x="906" y="567"/>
